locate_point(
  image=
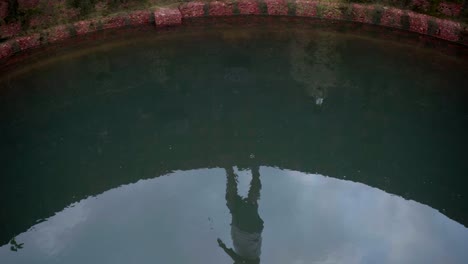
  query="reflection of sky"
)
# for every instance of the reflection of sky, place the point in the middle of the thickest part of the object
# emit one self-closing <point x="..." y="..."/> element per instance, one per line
<point x="346" y="222"/>
<point x="308" y="219"/>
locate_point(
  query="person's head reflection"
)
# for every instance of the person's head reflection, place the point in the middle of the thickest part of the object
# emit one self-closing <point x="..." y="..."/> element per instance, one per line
<point x="246" y="225"/>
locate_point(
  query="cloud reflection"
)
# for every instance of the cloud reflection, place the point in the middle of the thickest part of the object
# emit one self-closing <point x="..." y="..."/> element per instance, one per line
<point x="308" y="218"/>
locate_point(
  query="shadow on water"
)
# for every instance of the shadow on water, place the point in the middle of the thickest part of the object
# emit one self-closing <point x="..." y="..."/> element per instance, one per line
<point x="313" y="100"/>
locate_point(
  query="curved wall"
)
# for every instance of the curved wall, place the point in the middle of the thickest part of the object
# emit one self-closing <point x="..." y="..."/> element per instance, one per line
<point x="174" y="15"/>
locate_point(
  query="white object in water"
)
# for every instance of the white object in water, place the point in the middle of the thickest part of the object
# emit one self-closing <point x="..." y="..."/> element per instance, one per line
<point x="319" y="101"/>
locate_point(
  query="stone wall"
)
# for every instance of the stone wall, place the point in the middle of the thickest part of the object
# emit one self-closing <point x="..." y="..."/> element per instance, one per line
<point x="58" y="20"/>
<point x="20" y="16"/>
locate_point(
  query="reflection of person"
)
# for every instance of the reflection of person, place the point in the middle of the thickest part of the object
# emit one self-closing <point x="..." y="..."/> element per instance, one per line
<point x="246" y="225"/>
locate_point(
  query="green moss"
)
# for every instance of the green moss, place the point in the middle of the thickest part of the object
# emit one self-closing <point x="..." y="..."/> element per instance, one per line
<point x="405" y="22"/>
<point x="99" y="25"/>
<point x="44" y="37"/>
<point x="377" y="15"/>
<point x="263" y="7"/>
<point x="292" y="8"/>
<point x="320" y="10"/>
<point x="96" y="26"/>
<point x="15" y="47"/>
<point x="235" y="9"/>
<point x="72" y="30"/>
<point x="127" y="21"/>
<point x="206" y="9"/>
<point x="432" y="27"/>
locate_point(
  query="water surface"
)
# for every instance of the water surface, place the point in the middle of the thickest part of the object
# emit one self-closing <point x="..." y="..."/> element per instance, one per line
<point x="214" y="145"/>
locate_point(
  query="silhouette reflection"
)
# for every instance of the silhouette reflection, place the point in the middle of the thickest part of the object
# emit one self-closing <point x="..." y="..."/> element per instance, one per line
<point x="246" y="223"/>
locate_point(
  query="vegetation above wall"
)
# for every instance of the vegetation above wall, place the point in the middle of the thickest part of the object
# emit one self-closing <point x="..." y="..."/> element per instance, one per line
<point x="22" y="17"/>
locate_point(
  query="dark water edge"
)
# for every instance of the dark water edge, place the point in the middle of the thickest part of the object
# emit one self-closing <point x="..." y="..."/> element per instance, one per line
<point x="140" y="104"/>
<point x="389" y="36"/>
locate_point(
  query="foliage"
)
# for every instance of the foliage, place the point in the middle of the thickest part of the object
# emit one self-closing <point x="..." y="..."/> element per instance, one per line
<point x="12" y="11"/>
<point x="116" y="3"/>
<point x="98" y="8"/>
<point x="85" y="6"/>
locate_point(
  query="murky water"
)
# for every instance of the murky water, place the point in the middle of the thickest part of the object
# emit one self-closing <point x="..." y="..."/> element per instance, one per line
<point x="227" y="145"/>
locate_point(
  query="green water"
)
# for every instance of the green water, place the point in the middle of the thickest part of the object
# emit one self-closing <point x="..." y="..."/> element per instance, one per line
<point x="270" y="144"/>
